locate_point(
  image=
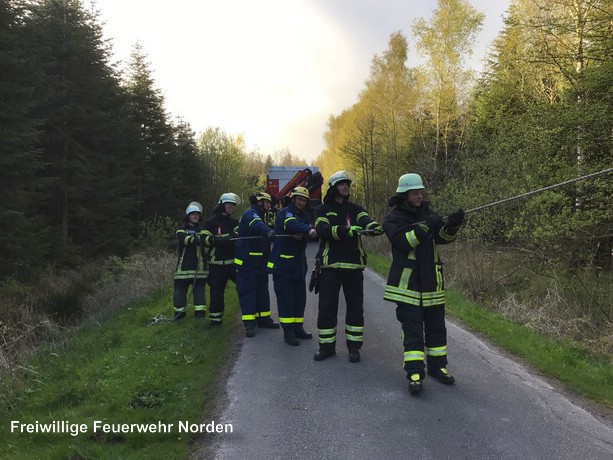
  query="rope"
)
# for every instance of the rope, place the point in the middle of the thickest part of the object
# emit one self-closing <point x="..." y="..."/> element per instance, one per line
<point x="534" y="192"/>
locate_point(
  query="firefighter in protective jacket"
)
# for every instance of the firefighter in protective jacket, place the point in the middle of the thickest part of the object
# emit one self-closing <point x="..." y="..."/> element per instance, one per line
<point x="342" y="260"/>
<point x="191" y="269"/>
<point x="219" y="231"/>
<point x="415" y="281"/>
<point x="288" y="265"/>
<point x="251" y="259"/>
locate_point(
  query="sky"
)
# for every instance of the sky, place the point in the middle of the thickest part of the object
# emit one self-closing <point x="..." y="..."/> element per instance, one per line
<point x="272" y="71"/>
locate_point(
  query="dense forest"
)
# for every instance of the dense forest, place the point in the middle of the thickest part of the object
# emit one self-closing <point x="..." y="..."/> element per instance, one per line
<point x="92" y="164"/>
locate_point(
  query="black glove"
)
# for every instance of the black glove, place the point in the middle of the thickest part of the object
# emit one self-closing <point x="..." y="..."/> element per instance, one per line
<point x="422" y="232"/>
<point x="456" y="218"/>
<point x="221" y="240"/>
<point x="196" y="241"/>
<point x="434" y="223"/>
<point x="377" y="230"/>
<point x="314" y="281"/>
<point x="271" y="235"/>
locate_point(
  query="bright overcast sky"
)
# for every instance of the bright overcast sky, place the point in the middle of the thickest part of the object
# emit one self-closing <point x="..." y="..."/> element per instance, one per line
<point x="271" y="70"/>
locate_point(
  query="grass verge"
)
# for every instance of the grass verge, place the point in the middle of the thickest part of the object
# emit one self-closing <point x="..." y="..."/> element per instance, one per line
<point x="121" y="372"/>
<point x="591" y="376"/>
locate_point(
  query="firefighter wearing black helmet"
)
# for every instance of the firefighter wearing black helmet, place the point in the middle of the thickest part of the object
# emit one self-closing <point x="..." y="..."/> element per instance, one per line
<point x="252" y="251"/>
<point x="219" y="231"/>
<point x="342" y="260"/>
<point x="415" y="281"/>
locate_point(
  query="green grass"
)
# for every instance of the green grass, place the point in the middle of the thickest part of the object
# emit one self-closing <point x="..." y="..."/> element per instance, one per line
<point x="123" y="371"/>
<point x="590" y="376"/>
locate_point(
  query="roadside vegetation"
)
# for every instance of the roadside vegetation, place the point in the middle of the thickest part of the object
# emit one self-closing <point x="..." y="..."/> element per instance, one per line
<point x="115" y="366"/>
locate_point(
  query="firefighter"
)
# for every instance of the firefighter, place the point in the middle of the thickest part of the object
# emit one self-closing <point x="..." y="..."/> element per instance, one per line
<point x="288" y="265"/>
<point x="191" y="269"/>
<point x="342" y="260"/>
<point x="415" y="281"/>
<point x="251" y="260"/>
<point x="219" y="231"/>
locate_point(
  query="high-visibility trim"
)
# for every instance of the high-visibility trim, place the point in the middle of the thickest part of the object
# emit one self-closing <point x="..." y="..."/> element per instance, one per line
<point x="405" y="277"/>
<point x="446" y="236"/>
<point x="412" y="255"/>
<point x="439" y="277"/>
<point x="221" y="262"/>
<point x="253" y="220"/>
<point x="360" y="215"/>
<point x="256" y="254"/>
<point x="322" y="220"/>
<point x="248" y="317"/>
<point x="299" y="320"/>
<point x="238" y="261"/>
<point x="412" y="239"/>
<point x="286" y="320"/>
<point x="331" y="213"/>
<point x="355" y="338"/>
<point x="344" y="265"/>
<point x="263" y="314"/>
<point x="216" y="315"/>
<point x="354" y="328"/>
<point x="335" y="234"/>
<point x="199" y="307"/>
<point x="437" y="351"/>
<point x="414" y="355"/>
<point x="180" y="309"/>
<point x="327" y="339"/>
<point x="326" y="331"/>
<point x="287" y="256"/>
<point x="287" y="220"/>
<point x="270" y="265"/>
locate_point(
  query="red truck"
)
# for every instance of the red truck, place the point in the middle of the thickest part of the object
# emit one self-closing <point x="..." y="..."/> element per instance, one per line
<point x="280" y="181"/>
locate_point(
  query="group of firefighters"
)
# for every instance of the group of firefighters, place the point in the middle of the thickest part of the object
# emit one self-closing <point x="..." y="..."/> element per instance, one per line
<point x="247" y="250"/>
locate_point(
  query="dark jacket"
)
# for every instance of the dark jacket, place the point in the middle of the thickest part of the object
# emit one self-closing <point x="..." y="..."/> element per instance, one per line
<point x="288" y="256"/>
<point x="416" y="273"/>
<point x="190" y="261"/>
<point x="252" y="254"/>
<point x="336" y="248"/>
<point x="218" y="230"/>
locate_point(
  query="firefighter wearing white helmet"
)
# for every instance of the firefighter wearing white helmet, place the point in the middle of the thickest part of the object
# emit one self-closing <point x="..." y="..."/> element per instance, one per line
<point x="341" y="260"/>
<point x="219" y="230"/>
<point x="252" y="251"/>
<point x="191" y="269"/>
<point x="288" y="264"/>
<point x="415" y="281"/>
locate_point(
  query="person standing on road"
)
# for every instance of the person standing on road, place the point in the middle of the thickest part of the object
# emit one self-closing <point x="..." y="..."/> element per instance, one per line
<point x="219" y="231"/>
<point x="288" y="265"/>
<point x="341" y="259"/>
<point x="415" y="281"/>
<point x="252" y="252"/>
<point x="191" y="268"/>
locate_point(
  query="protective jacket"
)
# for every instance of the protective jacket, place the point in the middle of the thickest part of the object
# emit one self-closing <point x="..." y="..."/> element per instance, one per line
<point x="252" y="254"/>
<point x="191" y="262"/>
<point x="337" y="249"/>
<point x="218" y="230"/>
<point x="416" y="274"/>
<point x="288" y="257"/>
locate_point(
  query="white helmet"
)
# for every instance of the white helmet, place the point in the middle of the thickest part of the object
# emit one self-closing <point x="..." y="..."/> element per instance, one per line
<point x="230" y="198"/>
<point x="337" y="177"/>
<point x="194" y="206"/>
<point x="408" y="182"/>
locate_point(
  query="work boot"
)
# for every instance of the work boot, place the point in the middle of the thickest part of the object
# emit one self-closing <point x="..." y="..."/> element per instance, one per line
<point x="249" y="331"/>
<point x="267" y="323"/>
<point x="290" y="337"/>
<point x="354" y="355"/>
<point x="441" y="375"/>
<point x="199" y="314"/>
<point x="178" y="315"/>
<point x="324" y="353"/>
<point x="416" y="385"/>
<point x="215" y="322"/>
<point x="301" y="333"/>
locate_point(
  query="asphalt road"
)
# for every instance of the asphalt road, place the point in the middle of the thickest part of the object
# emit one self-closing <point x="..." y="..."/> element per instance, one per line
<point x="284" y="405"/>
